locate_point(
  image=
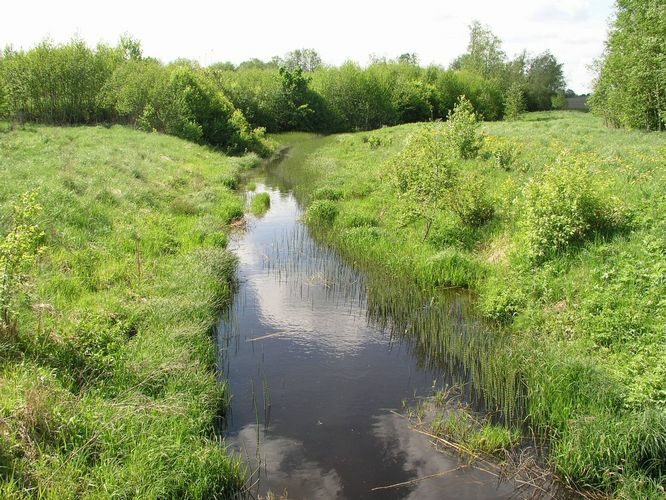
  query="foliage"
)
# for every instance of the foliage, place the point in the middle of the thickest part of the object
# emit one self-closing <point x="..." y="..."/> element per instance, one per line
<point x="306" y="60"/>
<point x="18" y="250"/>
<point x="503" y="151"/>
<point x="321" y="213"/>
<point x="462" y="130"/>
<point x="423" y="174"/>
<point x="471" y="202"/>
<point x="565" y="205"/>
<point x="71" y="83"/>
<point x="630" y="89"/>
<point x="484" y="52"/>
<point x="514" y="102"/>
<point x="544" y="80"/>
<point x="57" y="83"/>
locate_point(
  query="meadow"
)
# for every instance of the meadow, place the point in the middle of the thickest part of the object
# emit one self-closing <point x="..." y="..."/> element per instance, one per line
<point x="556" y="223"/>
<point x="107" y="378"/>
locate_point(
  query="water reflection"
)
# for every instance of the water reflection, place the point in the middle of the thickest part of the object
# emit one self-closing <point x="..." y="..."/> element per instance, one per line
<point x="317" y="357"/>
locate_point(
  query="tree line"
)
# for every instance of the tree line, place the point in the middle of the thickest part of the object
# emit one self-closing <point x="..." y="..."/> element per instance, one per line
<point x="231" y="107"/>
<point x="630" y="89"/>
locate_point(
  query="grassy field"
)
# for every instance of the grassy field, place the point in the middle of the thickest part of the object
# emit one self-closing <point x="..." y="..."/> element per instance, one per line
<point x="107" y="384"/>
<point x="585" y="322"/>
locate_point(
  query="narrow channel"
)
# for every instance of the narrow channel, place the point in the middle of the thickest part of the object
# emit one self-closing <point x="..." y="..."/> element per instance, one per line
<point x="318" y="376"/>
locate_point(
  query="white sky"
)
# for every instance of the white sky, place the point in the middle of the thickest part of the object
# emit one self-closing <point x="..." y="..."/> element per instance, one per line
<point x="211" y="31"/>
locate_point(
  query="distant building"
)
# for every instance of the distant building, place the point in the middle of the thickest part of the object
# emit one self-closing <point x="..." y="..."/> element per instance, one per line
<point x="578" y="102"/>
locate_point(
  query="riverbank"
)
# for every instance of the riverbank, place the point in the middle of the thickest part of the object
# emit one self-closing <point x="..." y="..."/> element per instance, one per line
<point x="583" y="328"/>
<point x="107" y="373"/>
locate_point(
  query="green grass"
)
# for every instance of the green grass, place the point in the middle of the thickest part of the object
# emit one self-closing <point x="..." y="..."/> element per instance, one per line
<point x="477" y="437"/>
<point x="583" y="351"/>
<point x="109" y="387"/>
<point x="260" y="203"/>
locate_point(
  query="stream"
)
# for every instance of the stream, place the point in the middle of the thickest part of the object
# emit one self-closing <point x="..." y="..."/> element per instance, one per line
<point x="320" y="363"/>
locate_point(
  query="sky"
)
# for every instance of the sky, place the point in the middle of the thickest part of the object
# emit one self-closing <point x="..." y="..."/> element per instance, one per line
<point x="213" y="31"/>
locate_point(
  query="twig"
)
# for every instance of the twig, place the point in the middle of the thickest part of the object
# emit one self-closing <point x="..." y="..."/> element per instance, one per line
<point x="264" y="336"/>
<point x="397" y="485"/>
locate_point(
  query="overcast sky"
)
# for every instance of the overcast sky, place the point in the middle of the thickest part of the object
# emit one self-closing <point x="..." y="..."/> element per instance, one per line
<point x="574" y="30"/>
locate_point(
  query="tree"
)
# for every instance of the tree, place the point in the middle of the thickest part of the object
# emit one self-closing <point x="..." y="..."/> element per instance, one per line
<point x="630" y="89"/>
<point x="409" y="58"/>
<point x="514" y="102"/>
<point x="423" y="174"/>
<point x="544" y="81"/>
<point x="484" y="52"/>
<point x="307" y="60"/>
<point x="295" y="108"/>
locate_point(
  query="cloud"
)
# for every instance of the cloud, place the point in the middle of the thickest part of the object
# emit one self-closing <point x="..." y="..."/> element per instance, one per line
<point x="280" y="465"/>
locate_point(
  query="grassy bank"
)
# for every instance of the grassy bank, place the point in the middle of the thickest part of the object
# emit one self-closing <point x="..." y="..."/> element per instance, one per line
<point x="580" y="308"/>
<point x="107" y="382"/>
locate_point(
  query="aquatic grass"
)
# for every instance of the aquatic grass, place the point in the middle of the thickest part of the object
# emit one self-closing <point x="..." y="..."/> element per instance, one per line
<point x="260" y="203"/>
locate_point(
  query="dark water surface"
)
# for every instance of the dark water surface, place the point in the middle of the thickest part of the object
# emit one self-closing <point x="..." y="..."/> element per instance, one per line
<point x="318" y="375"/>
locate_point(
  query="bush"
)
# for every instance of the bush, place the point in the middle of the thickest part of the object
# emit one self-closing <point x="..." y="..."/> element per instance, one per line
<point x="462" y="134"/>
<point x="564" y="206"/>
<point x="327" y="193"/>
<point x="375" y="141"/>
<point x="504" y="152"/>
<point x="514" y="102"/>
<point x="321" y="213"/>
<point x="18" y="250"/>
<point x="423" y="174"/>
<point x="470" y="201"/>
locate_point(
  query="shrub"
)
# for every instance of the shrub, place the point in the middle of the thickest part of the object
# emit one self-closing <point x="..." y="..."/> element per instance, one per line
<point x="514" y="102"/>
<point x="423" y="174"/>
<point x="470" y="201"/>
<point x="321" y="213"/>
<point x="462" y="134"/>
<point x="375" y="141"/>
<point x="503" y="152"/>
<point x="18" y="250"/>
<point x="327" y="193"/>
<point x="564" y="206"/>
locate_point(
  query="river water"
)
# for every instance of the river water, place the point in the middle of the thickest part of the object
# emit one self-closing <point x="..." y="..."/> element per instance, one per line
<point x="318" y="376"/>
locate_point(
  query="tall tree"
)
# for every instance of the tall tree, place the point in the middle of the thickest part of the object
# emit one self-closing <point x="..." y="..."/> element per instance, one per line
<point x="307" y="60"/>
<point x="484" y="54"/>
<point x="544" y="81"/>
<point x="630" y="89"/>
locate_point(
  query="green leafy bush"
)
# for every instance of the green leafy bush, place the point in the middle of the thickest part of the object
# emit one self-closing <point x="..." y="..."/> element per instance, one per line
<point x="423" y="174"/>
<point x="18" y="250"/>
<point x="321" y="213"/>
<point x="514" y="102"/>
<point x="462" y="130"/>
<point x="565" y="205"/>
<point x="376" y="141"/>
<point x="504" y="152"/>
<point x="470" y="201"/>
<point x="327" y="193"/>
